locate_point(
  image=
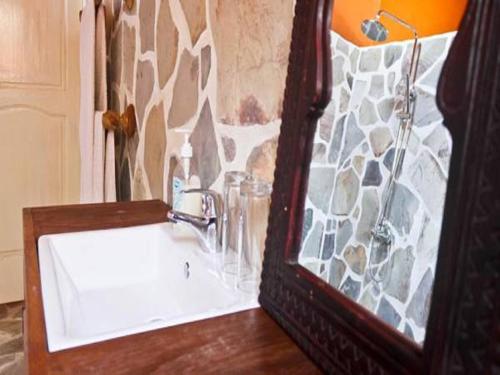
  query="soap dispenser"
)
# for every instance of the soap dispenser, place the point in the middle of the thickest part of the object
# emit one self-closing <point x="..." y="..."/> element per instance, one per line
<point x="183" y="180"/>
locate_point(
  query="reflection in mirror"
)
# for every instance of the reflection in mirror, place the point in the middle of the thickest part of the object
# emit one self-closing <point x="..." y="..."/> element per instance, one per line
<point x="378" y="174"/>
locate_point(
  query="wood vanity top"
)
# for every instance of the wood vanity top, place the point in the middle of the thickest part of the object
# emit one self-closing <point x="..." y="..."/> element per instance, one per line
<point x="248" y="342"/>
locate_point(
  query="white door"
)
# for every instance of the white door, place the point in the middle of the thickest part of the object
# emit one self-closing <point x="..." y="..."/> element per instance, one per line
<point x="39" y="99"/>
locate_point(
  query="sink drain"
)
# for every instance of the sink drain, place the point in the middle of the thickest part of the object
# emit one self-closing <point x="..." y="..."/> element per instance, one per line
<point x="186" y="270"/>
<point x="156" y="320"/>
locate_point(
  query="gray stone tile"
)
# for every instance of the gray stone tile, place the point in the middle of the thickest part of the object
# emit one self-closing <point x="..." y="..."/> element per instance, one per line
<point x="328" y="246"/>
<point x="338" y="74"/>
<point x="392" y="54"/>
<point x="408" y="332"/>
<point x="358" y="162"/>
<point x="342" y="46"/>
<point x="430" y="183"/>
<point x="389" y="158"/>
<point x="380" y="140"/>
<point x="354" y="58"/>
<point x="403" y="209"/>
<point x="368" y="301"/>
<point x="370" y="207"/>
<point x="397" y="274"/>
<point x="372" y="176"/>
<point x="345" y="97"/>
<point x="431" y="79"/>
<point x="418" y="309"/>
<point x="426" y="110"/>
<point x="326" y="122"/>
<point x="352" y="139"/>
<point x="319" y="153"/>
<point x="312" y="244"/>
<point x="440" y="143"/>
<point x="337" y="271"/>
<point x="367" y="113"/>
<point x="345" y="193"/>
<point x="432" y="50"/>
<point x="370" y="59"/>
<point x="358" y="93"/>
<point x="344" y="234"/>
<point x="336" y="141"/>
<point x="351" y="288"/>
<point x="388" y="313"/>
<point x="377" y="87"/>
<point x="308" y="221"/>
<point x="320" y="186"/>
<point x="355" y="258"/>
<point x="386" y="109"/>
<point x="391" y="79"/>
<point x="350" y="80"/>
<point x="378" y="254"/>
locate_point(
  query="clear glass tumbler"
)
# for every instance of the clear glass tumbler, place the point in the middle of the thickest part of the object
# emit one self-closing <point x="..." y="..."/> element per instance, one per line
<point x="255" y="196"/>
<point x="231" y="220"/>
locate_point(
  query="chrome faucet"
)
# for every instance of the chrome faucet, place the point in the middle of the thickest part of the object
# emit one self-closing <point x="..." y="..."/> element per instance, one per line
<point x="207" y="227"/>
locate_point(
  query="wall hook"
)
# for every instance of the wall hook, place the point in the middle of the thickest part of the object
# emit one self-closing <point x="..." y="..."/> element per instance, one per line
<point x="125" y="122"/>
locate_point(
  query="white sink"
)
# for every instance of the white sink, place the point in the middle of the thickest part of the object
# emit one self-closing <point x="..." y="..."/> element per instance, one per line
<point x="99" y="285"/>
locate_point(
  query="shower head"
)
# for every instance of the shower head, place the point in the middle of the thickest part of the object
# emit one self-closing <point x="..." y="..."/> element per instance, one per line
<point x="375" y="30"/>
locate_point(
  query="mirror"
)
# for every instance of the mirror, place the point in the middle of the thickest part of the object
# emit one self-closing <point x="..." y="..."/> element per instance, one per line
<point x="455" y="316"/>
<point x="379" y="169"/>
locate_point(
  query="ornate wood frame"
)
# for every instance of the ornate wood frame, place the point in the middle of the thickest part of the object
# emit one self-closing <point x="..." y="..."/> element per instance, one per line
<point x="463" y="332"/>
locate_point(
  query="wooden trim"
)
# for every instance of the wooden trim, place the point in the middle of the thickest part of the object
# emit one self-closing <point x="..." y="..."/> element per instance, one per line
<point x="341" y="336"/>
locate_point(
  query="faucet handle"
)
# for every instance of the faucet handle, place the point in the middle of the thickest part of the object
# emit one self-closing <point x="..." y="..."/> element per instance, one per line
<point x="211" y="202"/>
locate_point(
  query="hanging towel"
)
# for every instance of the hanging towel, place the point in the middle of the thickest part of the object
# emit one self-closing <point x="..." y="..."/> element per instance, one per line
<point x="109" y="168"/>
<point x="105" y="166"/>
<point x="98" y="159"/>
<point x="101" y="94"/>
<point x="87" y="98"/>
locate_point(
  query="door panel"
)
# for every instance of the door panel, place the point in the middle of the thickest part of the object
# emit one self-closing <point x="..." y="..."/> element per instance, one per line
<point x="31" y="34"/>
<point x="39" y="98"/>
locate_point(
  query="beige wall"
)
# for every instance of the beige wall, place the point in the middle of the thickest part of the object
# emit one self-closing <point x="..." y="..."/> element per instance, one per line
<point x="217" y="67"/>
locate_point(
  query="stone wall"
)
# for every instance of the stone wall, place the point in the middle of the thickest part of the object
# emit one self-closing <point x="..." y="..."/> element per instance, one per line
<point x="353" y="154"/>
<point x="216" y="67"/>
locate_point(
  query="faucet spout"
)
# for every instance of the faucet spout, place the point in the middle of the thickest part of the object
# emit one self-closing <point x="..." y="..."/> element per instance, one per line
<point x="206" y="227"/>
<point x="200" y="223"/>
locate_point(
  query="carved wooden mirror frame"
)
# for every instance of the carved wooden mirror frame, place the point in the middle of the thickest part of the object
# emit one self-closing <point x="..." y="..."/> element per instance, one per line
<point x="463" y="330"/>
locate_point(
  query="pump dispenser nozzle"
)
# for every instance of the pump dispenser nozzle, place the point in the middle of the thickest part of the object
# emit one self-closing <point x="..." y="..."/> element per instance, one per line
<point x="186" y="152"/>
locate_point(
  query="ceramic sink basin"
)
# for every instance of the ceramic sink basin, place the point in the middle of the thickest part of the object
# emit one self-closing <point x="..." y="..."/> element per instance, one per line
<point x="99" y="285"/>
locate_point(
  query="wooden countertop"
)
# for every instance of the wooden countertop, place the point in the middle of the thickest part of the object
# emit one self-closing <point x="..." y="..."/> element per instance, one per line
<point x="248" y="342"/>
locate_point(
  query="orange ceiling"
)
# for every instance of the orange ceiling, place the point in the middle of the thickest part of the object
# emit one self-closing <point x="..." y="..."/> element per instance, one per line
<point x="428" y="16"/>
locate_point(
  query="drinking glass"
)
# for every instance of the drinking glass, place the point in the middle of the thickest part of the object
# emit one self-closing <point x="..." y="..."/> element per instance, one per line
<point x="255" y="199"/>
<point x="231" y="219"/>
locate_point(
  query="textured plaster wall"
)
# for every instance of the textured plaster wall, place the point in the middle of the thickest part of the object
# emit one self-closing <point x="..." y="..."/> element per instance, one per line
<point x="352" y="158"/>
<point x="216" y="67"/>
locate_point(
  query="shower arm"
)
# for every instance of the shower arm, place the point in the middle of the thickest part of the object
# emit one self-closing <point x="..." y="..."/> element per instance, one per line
<point x="413" y="68"/>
